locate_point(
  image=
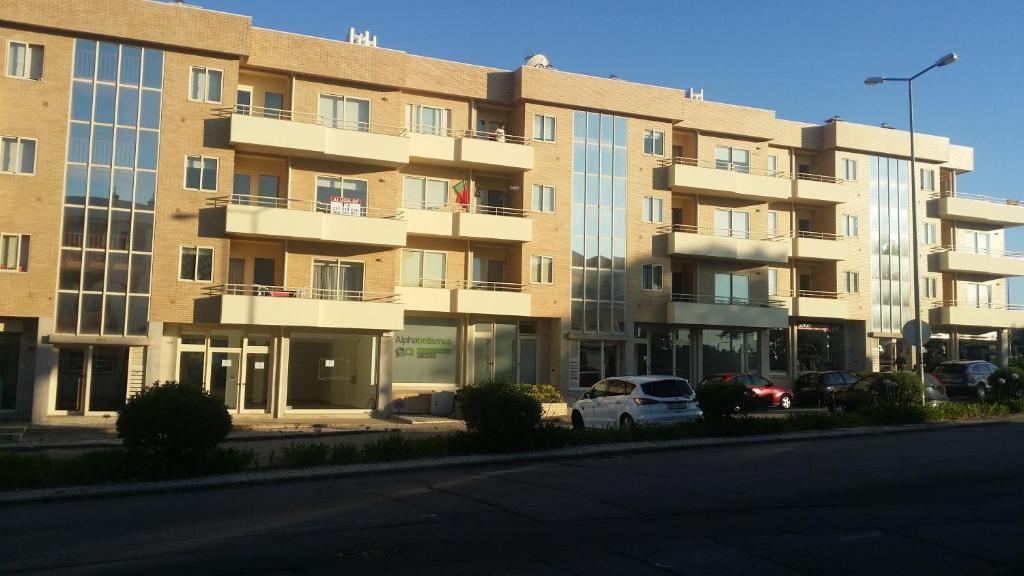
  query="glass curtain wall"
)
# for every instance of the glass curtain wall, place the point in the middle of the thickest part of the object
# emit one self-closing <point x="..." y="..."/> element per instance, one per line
<point x="598" y="223"/>
<point x="110" y="191"/>
<point x="890" y="244"/>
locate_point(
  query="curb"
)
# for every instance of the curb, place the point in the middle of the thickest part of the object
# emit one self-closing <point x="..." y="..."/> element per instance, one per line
<point x="259" y="478"/>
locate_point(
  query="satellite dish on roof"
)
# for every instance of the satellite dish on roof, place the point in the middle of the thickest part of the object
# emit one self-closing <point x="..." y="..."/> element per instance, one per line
<point x="538" y="61"/>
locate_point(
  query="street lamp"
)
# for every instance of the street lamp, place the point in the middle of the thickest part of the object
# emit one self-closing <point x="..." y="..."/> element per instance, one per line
<point x="872" y="81"/>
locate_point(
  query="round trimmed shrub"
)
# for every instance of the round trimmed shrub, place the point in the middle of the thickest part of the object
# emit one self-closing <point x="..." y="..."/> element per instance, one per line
<point x="723" y="399"/>
<point x="544" y="393"/>
<point x="1006" y="384"/>
<point x="173" y="420"/>
<point x="498" y="408"/>
<point x="903" y="389"/>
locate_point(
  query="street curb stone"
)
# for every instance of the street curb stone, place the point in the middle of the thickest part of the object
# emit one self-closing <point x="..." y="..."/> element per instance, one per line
<point x="263" y="477"/>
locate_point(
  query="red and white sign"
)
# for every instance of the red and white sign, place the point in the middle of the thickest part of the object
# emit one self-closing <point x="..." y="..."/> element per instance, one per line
<point x="346" y="206"/>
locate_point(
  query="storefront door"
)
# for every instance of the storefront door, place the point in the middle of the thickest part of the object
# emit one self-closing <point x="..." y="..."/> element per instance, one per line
<point x="224" y="381"/>
<point x="256" y="382"/>
<point x="70" y="379"/>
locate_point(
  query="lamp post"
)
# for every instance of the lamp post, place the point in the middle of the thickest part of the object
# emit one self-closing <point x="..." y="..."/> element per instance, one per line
<point x="872" y="81"/>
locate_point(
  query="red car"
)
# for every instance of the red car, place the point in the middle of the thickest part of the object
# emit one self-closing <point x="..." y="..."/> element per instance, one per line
<point x="763" y="392"/>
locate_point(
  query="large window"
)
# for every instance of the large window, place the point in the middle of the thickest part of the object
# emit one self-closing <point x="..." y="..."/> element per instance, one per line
<point x="652" y="277"/>
<point x="890" y="244"/>
<point x="599" y="203"/>
<point x="201" y="173"/>
<point x="196" y="264"/>
<point x="337" y="280"/>
<point x="730" y="350"/>
<point x="654" y="142"/>
<point x="331" y="372"/>
<point x="732" y="223"/>
<point x="543" y="198"/>
<point x="728" y="158"/>
<point x="979" y="295"/>
<point x="14" y="252"/>
<point x="25" y="60"/>
<point x="426" y="352"/>
<point x="341" y="195"/>
<point x="974" y="242"/>
<point x="424" y="268"/>
<point x="541" y="269"/>
<point x="205" y="84"/>
<point x="778" y="350"/>
<point x="653" y="209"/>
<point x="427" y="119"/>
<point x="543" y="128"/>
<point x="425" y="193"/>
<point x="345" y="112"/>
<point x="17" y="155"/>
<point x="732" y="288"/>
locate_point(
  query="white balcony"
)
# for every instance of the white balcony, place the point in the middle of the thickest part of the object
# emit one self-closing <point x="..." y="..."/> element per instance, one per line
<point x="728" y="180"/>
<point x="816" y="304"/>
<point x="465" y="297"/>
<point x="992" y="263"/>
<point x="311" y="136"/>
<point x="727" y="245"/>
<point x="466" y="149"/>
<point x="981" y="209"/>
<point x="281" y="218"/>
<point x="476" y="223"/>
<point x="713" y="311"/>
<point x="964" y="314"/>
<point x="817" y="189"/>
<point x="820" y="246"/>
<point x="309" y="308"/>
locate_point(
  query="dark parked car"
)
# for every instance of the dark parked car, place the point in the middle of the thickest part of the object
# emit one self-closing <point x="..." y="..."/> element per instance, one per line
<point x="965" y="377"/>
<point x="763" y="392"/>
<point x="813" y="388"/>
<point x="868" y="390"/>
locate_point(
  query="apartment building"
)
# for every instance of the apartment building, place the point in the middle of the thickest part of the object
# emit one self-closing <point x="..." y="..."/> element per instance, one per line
<point x="316" y="227"/>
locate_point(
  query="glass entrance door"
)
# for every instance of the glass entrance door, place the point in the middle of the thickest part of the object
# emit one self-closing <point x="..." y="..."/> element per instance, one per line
<point x="256" y="386"/>
<point x="224" y="381"/>
<point x="528" y="359"/>
<point x="70" y="379"/>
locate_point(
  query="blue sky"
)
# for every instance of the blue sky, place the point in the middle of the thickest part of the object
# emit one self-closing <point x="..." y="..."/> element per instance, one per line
<point x="806" y="60"/>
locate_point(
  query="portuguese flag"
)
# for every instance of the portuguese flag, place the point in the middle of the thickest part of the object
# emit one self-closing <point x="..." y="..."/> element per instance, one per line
<point x="462" y="193"/>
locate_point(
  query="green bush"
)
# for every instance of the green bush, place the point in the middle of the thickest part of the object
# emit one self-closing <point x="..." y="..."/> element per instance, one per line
<point x="1006" y="384"/>
<point x="173" y="421"/>
<point x="544" y="393"/>
<point x="299" y="454"/>
<point x="498" y="408"/>
<point x="722" y="400"/>
<point x="906" y="389"/>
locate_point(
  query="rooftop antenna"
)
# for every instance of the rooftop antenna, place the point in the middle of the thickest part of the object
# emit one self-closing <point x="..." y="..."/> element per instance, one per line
<point x="361" y="39"/>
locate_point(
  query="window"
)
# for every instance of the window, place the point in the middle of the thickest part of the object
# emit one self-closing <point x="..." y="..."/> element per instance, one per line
<point x="728" y="158"/>
<point x="344" y="112"/>
<point x="654" y="143"/>
<point x="979" y="295"/>
<point x="850" y="225"/>
<point x="543" y="128"/>
<point x="931" y="288"/>
<point x="337" y="280"/>
<point x="773" y="282"/>
<point x="927" y="179"/>
<point x="852" y="282"/>
<point x="542" y="269"/>
<point x="243" y="100"/>
<point x="14" y="252"/>
<point x="543" y="198"/>
<point x="424" y="268"/>
<point x="196" y="264"/>
<point x="18" y="155"/>
<point x="200" y="173"/>
<point x="425" y="193"/>
<point x="849" y="169"/>
<point x="928" y="233"/>
<point x="975" y="242"/>
<point x="732" y="223"/>
<point x="773" y="165"/>
<point x="653" y="211"/>
<point x="731" y="288"/>
<point x="206" y="84"/>
<point x="427" y="119"/>
<point x="773" y="223"/>
<point x="341" y="195"/>
<point x="25" y="61"/>
<point x="652" y="274"/>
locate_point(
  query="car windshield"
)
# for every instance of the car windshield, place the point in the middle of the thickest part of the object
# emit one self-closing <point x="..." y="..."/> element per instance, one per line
<point x="951" y="369"/>
<point x="667" y="388"/>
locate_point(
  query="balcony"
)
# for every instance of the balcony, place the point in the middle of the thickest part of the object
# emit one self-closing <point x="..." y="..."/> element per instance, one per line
<point x="308" y="308"/>
<point x="314" y="136"/>
<point x="469" y="149"/>
<point x="952" y="313"/>
<point x="478" y="222"/>
<point x="817" y="304"/>
<point x="981" y="209"/>
<point x="465" y="297"/>
<point x="819" y="246"/>
<point x="728" y="179"/>
<point x="685" y="240"/>
<point x="993" y="263"/>
<point x="818" y="189"/>
<point x="283" y="218"/>
<point x="717" y="311"/>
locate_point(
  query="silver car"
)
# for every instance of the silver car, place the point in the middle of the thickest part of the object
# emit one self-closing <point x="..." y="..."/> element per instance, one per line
<point x="627" y="400"/>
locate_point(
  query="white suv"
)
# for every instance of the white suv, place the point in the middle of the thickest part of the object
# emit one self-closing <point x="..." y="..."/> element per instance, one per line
<point x="628" y="400"/>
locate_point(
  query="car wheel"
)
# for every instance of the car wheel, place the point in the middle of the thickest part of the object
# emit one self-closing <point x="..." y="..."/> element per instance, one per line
<point x="626" y="422"/>
<point x="786" y="402"/>
<point x="577" y="420"/>
<point x="980" y="392"/>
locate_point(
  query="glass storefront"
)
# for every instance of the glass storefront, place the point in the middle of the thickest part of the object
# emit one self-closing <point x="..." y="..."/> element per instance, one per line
<point x="936" y="351"/>
<point x="10" y="344"/>
<point x="778" y="350"/>
<point x="730" y="350"/>
<point x="331" y="372"/>
<point x="664" y="350"/>
<point x="971" y="349"/>
<point x="819" y="347"/>
<point x="426" y="352"/>
<point x="92" y="378"/>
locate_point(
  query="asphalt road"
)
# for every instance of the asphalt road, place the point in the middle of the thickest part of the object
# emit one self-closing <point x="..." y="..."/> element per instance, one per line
<point x="935" y="502"/>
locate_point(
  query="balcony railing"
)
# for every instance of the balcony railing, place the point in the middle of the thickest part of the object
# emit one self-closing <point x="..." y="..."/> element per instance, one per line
<point x="980" y="251"/>
<point x="733" y="300"/>
<point x="305" y="206"/>
<point x="724" y="165"/>
<point x="818" y="235"/>
<point x="819" y="178"/>
<point x="980" y="197"/>
<point x="470" y="209"/>
<point x="431" y="130"/>
<point x="306" y="292"/>
<point x="311" y="118"/>
<point x="721" y="232"/>
<point x="816" y="294"/>
<point x="978" y="305"/>
<point x="462" y="284"/>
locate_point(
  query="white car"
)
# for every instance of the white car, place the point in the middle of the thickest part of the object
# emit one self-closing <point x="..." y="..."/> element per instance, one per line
<point x="628" y="400"/>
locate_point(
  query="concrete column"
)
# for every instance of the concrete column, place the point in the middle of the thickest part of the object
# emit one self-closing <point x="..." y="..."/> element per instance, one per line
<point x="794" y="369"/>
<point x="385" y="358"/>
<point x="45" y="364"/>
<point x="1003" y="347"/>
<point x="762" y="344"/>
<point x="954" y="345"/>
<point x="628" y="358"/>
<point x="154" y="354"/>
